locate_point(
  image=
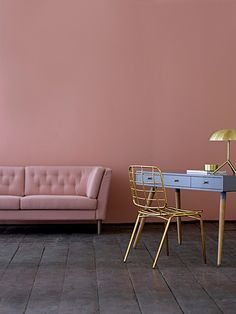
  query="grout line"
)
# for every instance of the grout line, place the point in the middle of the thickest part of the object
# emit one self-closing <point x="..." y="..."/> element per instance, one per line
<point x="167" y="284"/>
<point x="38" y="266"/>
<point x="7" y="266"/>
<point x="202" y="287"/>
<point x="66" y="266"/>
<point x="95" y="266"/>
<point x="130" y="277"/>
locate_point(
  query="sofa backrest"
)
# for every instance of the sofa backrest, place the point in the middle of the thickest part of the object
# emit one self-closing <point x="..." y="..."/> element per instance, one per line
<point x="63" y="180"/>
<point x="11" y="180"/>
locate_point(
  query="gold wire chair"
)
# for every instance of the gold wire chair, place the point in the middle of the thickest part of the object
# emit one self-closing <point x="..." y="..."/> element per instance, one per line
<point x="149" y="195"/>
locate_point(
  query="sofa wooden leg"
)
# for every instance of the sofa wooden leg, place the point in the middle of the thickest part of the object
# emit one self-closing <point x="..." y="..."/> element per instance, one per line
<point x="99" y="226"/>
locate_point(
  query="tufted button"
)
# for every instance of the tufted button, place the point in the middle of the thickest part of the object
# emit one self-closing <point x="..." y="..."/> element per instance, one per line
<point x="5" y="181"/>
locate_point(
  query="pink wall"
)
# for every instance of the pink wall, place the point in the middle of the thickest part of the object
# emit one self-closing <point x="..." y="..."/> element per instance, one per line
<point x="115" y="82"/>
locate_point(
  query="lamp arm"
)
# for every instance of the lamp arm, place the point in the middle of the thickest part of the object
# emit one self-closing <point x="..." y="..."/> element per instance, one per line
<point x="228" y="150"/>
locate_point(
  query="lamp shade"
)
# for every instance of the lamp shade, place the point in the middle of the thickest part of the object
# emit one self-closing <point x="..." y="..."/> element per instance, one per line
<point x="224" y="135"/>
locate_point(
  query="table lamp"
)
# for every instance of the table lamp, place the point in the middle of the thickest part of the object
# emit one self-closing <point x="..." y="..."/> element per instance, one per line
<point x="225" y="135"/>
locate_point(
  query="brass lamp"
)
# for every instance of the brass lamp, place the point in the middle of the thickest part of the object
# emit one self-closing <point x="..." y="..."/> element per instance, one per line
<point x="225" y="135"/>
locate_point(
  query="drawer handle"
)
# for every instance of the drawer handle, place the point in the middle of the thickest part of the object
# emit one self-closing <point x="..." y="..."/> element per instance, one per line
<point x="149" y="178"/>
<point x="205" y="182"/>
<point x="176" y="180"/>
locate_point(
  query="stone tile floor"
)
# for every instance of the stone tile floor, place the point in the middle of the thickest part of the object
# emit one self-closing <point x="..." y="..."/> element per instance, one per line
<point x="66" y="269"/>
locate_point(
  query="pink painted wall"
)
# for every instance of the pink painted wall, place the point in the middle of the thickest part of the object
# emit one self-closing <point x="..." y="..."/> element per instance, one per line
<point x="115" y="82"/>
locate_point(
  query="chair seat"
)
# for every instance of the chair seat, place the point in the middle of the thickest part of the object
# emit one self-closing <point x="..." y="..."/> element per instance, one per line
<point x="168" y="212"/>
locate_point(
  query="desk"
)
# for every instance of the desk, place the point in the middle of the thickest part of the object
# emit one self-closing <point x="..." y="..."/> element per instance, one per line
<point x="211" y="183"/>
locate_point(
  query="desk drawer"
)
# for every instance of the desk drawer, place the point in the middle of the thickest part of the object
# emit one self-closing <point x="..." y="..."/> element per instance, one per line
<point x="207" y="183"/>
<point x="176" y="181"/>
<point x="148" y="178"/>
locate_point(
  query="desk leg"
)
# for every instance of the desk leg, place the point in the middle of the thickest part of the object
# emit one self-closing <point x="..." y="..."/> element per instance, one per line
<point x="178" y="205"/>
<point x="221" y="226"/>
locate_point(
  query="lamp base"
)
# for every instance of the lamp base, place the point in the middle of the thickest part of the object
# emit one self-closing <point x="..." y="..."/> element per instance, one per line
<point x="225" y="163"/>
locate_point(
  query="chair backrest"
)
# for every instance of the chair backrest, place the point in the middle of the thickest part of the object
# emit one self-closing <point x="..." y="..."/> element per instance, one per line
<point x="147" y="187"/>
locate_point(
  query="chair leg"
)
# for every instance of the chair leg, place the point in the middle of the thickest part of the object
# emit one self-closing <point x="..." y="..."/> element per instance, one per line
<point x="131" y="238"/>
<point x="149" y="202"/>
<point x="167" y="242"/>
<point x="140" y="228"/>
<point x="161" y="243"/>
<point x="179" y="230"/>
<point x="203" y="241"/>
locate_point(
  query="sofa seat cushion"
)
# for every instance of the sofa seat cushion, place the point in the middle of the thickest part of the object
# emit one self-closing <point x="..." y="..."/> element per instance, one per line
<point x="58" y="202"/>
<point x="9" y="202"/>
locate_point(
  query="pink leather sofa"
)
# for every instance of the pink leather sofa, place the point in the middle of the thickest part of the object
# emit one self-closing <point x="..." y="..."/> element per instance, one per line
<point x="54" y="193"/>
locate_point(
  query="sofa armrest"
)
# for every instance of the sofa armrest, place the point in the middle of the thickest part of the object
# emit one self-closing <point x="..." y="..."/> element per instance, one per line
<point x="103" y="195"/>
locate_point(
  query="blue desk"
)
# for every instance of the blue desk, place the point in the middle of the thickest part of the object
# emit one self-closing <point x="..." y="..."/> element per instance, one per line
<point x="211" y="183"/>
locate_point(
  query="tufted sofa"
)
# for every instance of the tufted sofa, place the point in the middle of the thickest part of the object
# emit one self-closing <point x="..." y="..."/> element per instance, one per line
<point x="54" y="193"/>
